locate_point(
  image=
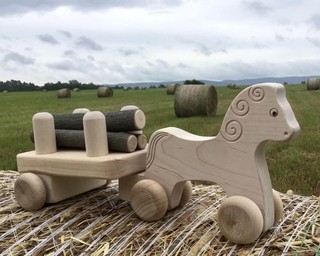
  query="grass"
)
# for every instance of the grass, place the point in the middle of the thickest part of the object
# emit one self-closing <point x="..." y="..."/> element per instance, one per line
<point x="293" y="165"/>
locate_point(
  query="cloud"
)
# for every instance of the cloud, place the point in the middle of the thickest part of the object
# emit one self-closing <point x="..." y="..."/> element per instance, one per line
<point x="129" y="51"/>
<point x="206" y="50"/>
<point x="88" y="43"/>
<point x="279" y="37"/>
<point x="258" y="7"/>
<point x="13" y="60"/>
<point x="25" y="6"/>
<point x="65" y="65"/>
<point x="65" y="33"/>
<point x="69" y="53"/>
<point x="315" y="21"/>
<point x="314" y="41"/>
<point x="17" y="58"/>
<point x="72" y="63"/>
<point x="48" y="39"/>
<point x="155" y="70"/>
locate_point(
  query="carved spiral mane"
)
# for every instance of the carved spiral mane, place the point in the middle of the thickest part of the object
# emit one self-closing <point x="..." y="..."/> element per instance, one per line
<point x="232" y="131"/>
<point x="256" y="94"/>
<point x="240" y="108"/>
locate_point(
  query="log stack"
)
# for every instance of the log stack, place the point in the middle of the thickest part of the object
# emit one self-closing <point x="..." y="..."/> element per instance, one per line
<point x="124" y="130"/>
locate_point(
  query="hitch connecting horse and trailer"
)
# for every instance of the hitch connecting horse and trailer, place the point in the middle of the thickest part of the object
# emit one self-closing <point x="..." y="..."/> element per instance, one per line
<point x="158" y="178"/>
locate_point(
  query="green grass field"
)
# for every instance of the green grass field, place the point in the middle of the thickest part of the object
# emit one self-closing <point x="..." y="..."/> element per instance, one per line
<point x="294" y="165"/>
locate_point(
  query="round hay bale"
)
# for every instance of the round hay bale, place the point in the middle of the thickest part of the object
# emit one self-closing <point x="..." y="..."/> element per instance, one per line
<point x="313" y="84"/>
<point x="64" y="93"/>
<point x="105" y="91"/>
<point x="171" y="89"/>
<point x="98" y="222"/>
<point x="195" y="100"/>
<point x="76" y="89"/>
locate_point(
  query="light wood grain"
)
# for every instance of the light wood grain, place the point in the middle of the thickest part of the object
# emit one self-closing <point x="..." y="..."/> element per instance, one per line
<point x="80" y="111"/>
<point x="278" y="207"/>
<point x="142" y="141"/>
<point x="30" y="191"/>
<point x="44" y="135"/>
<point x="75" y="163"/>
<point x="149" y="200"/>
<point x="235" y="158"/>
<point x="61" y="187"/>
<point x="240" y="220"/>
<point x="95" y="133"/>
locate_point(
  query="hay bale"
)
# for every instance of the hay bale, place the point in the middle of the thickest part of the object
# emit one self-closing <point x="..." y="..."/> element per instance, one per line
<point x="171" y="89"/>
<point x="313" y="84"/>
<point x="98" y="223"/>
<point x="104" y="91"/>
<point x="76" y="89"/>
<point x="195" y="100"/>
<point x="64" y="93"/>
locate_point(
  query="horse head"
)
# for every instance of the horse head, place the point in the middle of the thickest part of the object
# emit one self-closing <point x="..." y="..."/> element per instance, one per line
<point x="259" y="113"/>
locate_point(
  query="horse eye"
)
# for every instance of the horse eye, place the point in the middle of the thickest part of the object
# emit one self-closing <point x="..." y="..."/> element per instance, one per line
<point x="273" y="112"/>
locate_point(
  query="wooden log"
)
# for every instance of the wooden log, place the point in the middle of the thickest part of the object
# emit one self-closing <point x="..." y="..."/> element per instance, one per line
<point x="141" y="141"/>
<point x="74" y="139"/>
<point x="120" y="121"/>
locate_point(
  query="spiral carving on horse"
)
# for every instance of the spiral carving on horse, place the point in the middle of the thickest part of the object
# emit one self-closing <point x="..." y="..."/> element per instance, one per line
<point x="234" y="159"/>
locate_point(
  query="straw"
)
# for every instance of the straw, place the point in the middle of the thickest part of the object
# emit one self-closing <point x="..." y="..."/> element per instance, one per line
<point x="99" y="223"/>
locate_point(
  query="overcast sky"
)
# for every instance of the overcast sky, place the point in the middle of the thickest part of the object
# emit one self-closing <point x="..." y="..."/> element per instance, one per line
<point x="115" y="41"/>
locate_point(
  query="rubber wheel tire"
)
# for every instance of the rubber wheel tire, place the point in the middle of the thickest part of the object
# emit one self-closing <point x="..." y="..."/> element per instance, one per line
<point x="30" y="191"/>
<point x="240" y="220"/>
<point x="149" y="200"/>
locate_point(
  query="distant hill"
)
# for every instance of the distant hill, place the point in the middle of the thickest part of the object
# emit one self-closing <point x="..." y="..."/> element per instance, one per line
<point x="288" y="79"/>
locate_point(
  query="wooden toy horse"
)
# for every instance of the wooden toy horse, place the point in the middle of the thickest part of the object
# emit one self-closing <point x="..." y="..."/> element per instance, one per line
<point x="234" y="159"/>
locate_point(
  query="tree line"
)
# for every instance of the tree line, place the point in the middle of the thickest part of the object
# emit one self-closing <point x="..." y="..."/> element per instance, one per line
<point x="17" y="85"/>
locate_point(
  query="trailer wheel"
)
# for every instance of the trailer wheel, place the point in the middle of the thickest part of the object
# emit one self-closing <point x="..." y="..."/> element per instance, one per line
<point x="30" y="191"/>
<point x="186" y="193"/>
<point x="278" y="207"/>
<point x="149" y="200"/>
<point x="240" y="220"/>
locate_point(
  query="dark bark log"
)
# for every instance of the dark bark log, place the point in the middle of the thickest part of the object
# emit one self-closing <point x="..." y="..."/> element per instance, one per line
<point x="120" y="121"/>
<point x="74" y="139"/>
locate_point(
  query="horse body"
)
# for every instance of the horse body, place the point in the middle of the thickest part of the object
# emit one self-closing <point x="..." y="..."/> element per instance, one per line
<point x="235" y="158"/>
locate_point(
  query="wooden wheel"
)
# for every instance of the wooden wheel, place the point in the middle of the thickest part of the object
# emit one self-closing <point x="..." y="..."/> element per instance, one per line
<point x="278" y="207"/>
<point x="240" y="220"/>
<point x="30" y="192"/>
<point x="149" y="200"/>
<point x="186" y="193"/>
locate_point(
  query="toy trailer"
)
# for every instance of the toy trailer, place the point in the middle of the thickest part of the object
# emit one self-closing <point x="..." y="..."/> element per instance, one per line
<point x="157" y="179"/>
<point x="50" y="175"/>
